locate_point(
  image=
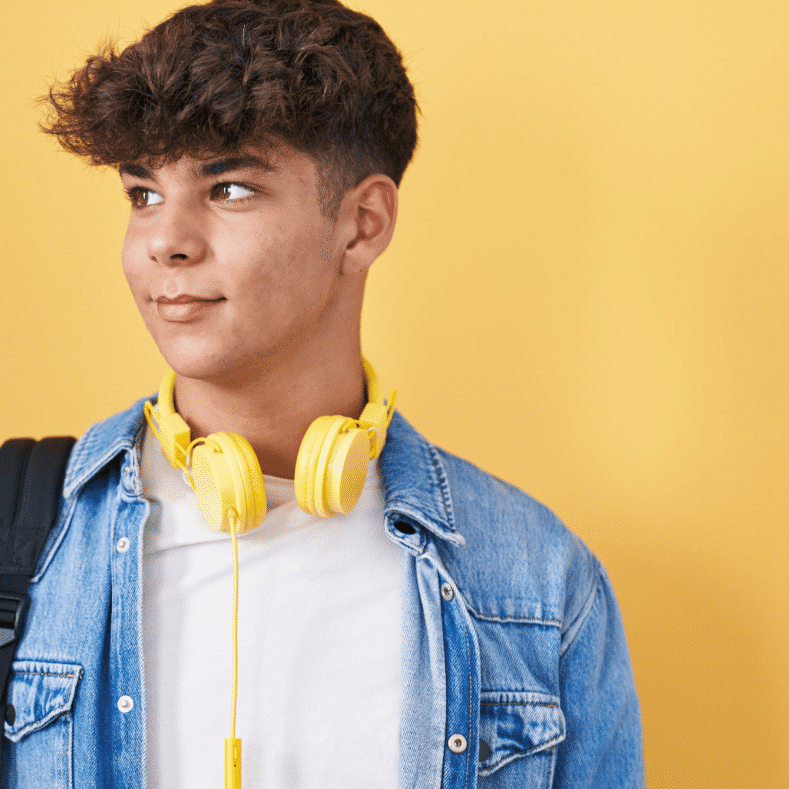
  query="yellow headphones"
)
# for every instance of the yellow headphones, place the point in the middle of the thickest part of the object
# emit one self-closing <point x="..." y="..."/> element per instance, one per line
<point x="224" y="472"/>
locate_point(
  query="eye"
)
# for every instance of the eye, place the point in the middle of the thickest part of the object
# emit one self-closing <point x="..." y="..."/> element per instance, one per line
<point x="232" y="192"/>
<point x="141" y="197"/>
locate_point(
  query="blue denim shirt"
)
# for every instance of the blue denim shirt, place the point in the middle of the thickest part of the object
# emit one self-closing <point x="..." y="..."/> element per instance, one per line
<point x="515" y="668"/>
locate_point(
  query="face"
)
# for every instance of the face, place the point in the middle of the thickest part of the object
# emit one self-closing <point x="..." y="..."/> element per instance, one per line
<point x="245" y="236"/>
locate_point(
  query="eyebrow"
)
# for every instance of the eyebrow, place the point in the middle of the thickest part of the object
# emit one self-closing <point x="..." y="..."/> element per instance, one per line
<point x="207" y="169"/>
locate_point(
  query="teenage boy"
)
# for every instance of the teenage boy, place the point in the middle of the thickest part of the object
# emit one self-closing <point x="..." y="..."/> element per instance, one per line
<point x="427" y="625"/>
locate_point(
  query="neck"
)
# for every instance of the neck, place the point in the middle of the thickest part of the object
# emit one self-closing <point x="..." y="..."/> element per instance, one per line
<point x="273" y="405"/>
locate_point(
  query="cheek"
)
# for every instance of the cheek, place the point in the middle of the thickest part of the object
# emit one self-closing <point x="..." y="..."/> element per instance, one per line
<point x="133" y="263"/>
<point x="262" y="258"/>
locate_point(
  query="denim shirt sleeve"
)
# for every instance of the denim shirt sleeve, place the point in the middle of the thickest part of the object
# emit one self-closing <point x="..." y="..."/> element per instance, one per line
<point x="603" y="746"/>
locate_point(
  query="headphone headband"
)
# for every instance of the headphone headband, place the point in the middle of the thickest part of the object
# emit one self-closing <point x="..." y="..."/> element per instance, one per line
<point x="176" y="439"/>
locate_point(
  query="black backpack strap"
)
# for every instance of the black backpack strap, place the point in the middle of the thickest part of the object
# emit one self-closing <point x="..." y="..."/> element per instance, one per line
<point x="31" y="480"/>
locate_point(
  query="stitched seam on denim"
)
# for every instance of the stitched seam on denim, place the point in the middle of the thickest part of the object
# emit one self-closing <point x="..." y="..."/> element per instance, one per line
<point x="470" y="692"/>
<point x="75" y="460"/>
<point x="115" y="748"/>
<point x="550" y="770"/>
<point x="69" y="767"/>
<point x="44" y="674"/>
<point x="569" y="635"/>
<point x="143" y="700"/>
<point x="117" y="723"/>
<point x="443" y="484"/>
<point x="542" y="748"/>
<point x="61" y="529"/>
<point x="518" y="704"/>
<point x="52" y="715"/>
<point x="520" y="619"/>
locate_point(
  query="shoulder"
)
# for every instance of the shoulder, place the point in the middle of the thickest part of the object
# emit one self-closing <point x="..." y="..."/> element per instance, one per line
<point x="520" y="562"/>
<point x="101" y="443"/>
<point x="93" y="474"/>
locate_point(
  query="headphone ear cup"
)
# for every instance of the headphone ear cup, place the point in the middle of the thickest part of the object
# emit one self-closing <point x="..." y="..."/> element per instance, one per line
<point x="331" y="466"/>
<point x="227" y="476"/>
<point x="346" y="470"/>
<point x="252" y="480"/>
<point x="307" y="461"/>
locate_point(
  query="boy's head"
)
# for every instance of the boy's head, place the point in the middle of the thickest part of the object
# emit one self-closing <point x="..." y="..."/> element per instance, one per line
<point x="272" y="252"/>
<point x="213" y="79"/>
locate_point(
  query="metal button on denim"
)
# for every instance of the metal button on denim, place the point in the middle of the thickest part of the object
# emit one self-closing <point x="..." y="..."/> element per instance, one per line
<point x="447" y="592"/>
<point x="457" y="743"/>
<point x="128" y="479"/>
<point x="125" y="703"/>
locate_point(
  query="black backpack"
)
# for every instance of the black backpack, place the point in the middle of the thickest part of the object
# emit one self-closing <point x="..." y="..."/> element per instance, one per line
<point x="31" y="480"/>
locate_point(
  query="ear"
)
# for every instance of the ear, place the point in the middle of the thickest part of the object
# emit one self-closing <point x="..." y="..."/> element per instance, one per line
<point x="370" y="213"/>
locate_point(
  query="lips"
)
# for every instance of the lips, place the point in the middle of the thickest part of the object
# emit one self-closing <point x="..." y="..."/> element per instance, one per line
<point x="183" y="298"/>
<point x="185" y="308"/>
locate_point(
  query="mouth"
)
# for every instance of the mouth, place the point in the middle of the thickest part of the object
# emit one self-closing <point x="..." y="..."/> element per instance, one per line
<point x="183" y="298"/>
<point x="184" y="309"/>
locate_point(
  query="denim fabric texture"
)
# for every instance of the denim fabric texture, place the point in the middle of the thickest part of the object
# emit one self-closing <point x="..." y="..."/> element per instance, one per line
<point x="515" y="668"/>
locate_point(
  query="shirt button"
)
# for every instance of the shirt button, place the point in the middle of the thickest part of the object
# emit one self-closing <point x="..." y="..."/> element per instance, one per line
<point x="128" y="479"/>
<point x="447" y="592"/>
<point x="125" y="703"/>
<point x="122" y="545"/>
<point x="457" y="743"/>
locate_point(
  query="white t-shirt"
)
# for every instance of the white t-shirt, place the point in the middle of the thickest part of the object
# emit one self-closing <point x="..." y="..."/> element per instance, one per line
<point x="318" y="641"/>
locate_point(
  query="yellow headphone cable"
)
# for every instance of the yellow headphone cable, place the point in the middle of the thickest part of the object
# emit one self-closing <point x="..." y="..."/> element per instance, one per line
<point x="233" y="745"/>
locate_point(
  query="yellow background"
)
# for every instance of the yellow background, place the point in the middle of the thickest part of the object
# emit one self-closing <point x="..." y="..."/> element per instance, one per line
<point x="586" y="295"/>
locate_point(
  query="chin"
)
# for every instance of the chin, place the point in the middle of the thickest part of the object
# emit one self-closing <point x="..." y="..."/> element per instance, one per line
<point x="228" y="370"/>
<point x="191" y="359"/>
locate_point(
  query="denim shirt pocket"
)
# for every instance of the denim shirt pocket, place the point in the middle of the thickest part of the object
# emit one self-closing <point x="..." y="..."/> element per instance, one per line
<point x="39" y="723"/>
<point x="519" y="729"/>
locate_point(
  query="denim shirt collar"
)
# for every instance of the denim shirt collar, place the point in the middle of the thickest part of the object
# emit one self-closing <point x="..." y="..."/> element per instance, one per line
<point x="416" y="489"/>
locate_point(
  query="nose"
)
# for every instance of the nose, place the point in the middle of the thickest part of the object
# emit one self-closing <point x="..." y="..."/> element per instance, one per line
<point x="176" y="236"/>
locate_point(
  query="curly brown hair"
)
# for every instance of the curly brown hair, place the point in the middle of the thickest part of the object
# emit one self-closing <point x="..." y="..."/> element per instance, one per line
<point x="211" y="79"/>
